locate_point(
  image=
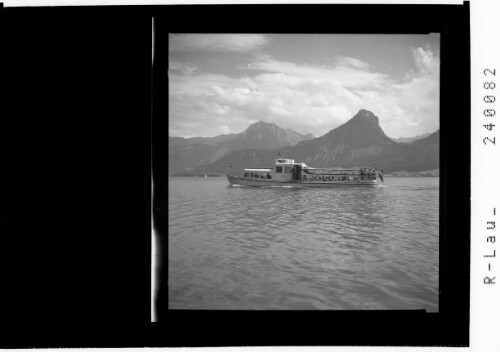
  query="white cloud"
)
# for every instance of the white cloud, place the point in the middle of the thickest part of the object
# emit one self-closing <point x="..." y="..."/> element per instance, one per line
<point x="347" y="71"/>
<point x="216" y="42"/>
<point x="416" y="99"/>
<point x="183" y="68"/>
<point x="224" y="129"/>
<point x="425" y="61"/>
<point x="307" y="98"/>
<point x="352" y="62"/>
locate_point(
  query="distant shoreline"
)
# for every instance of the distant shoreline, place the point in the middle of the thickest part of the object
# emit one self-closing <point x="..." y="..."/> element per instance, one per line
<point x="385" y="175"/>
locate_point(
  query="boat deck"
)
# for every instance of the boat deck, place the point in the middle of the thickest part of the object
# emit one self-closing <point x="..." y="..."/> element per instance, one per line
<point x="260" y="182"/>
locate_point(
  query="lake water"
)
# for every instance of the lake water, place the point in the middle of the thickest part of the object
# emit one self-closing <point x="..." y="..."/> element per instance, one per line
<point x="303" y="248"/>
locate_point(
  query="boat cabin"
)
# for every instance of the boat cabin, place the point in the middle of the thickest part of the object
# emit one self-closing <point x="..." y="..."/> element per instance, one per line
<point x="288" y="170"/>
<point x="285" y="170"/>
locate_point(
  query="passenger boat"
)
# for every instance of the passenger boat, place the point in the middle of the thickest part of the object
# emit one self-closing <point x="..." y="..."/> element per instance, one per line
<point x="287" y="172"/>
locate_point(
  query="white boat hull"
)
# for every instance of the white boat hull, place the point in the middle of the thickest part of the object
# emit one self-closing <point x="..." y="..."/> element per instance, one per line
<point x="260" y="182"/>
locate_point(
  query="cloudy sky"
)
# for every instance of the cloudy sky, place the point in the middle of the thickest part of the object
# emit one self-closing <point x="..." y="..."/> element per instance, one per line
<point x="312" y="83"/>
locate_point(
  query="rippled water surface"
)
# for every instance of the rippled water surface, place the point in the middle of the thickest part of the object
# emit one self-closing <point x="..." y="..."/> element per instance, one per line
<point x="303" y="248"/>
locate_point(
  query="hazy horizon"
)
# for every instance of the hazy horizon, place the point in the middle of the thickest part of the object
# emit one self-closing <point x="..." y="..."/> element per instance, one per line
<point x="311" y="83"/>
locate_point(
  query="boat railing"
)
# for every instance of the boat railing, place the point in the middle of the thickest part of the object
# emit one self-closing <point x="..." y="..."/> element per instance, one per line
<point x="337" y="178"/>
<point x="330" y="172"/>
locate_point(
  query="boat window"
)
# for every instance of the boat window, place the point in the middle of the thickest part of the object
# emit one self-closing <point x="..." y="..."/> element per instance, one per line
<point x="287" y="169"/>
<point x="279" y="169"/>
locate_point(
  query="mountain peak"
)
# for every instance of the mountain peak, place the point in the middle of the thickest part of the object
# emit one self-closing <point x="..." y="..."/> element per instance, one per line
<point x="362" y="130"/>
<point x="365" y="112"/>
<point x="268" y="135"/>
<point x="365" y="115"/>
<point x="259" y="124"/>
